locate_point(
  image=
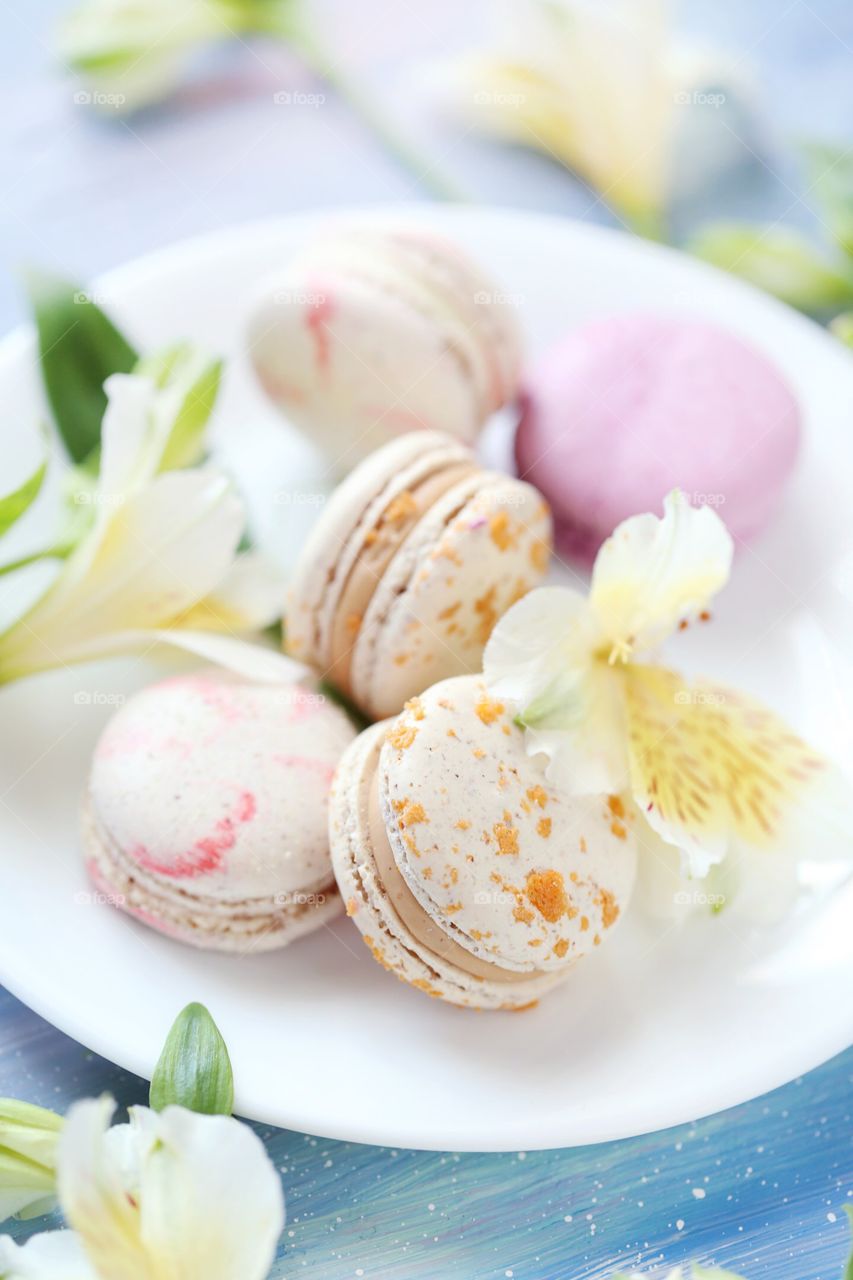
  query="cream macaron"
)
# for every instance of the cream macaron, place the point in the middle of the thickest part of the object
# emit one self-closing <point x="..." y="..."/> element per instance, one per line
<point x="374" y="331"/>
<point x="416" y="556"/>
<point x="468" y="874"/>
<point x="206" y="810"/>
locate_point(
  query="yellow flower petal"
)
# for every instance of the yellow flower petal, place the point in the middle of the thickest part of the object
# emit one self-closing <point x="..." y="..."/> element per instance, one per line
<point x="653" y="573"/>
<point x="713" y="770"/>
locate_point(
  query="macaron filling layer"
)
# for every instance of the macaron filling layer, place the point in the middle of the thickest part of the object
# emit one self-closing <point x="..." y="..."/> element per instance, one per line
<point x="380" y="546"/>
<point x="417" y="920"/>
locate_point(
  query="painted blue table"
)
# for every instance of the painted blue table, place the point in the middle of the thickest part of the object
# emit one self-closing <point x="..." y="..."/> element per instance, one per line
<point x="758" y="1189"/>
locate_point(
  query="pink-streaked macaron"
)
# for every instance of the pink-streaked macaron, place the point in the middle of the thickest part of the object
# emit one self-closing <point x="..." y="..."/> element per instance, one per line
<point x="626" y="408"/>
<point x="375" y="331"/>
<point x="416" y="556"/>
<point x="468" y="874"/>
<point x="206" y="810"/>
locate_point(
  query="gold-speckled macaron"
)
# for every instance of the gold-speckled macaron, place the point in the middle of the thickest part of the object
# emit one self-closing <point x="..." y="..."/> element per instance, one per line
<point x="468" y="874"/>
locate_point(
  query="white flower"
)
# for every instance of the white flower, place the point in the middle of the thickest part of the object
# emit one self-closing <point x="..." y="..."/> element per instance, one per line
<point x="159" y="560"/>
<point x="171" y="1196"/>
<point x="713" y="772"/>
<point x="133" y="52"/>
<point x="595" y="83"/>
<point x="28" y="1140"/>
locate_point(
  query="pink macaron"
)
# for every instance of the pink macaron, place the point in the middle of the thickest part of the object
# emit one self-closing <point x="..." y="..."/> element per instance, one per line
<point x="628" y="407"/>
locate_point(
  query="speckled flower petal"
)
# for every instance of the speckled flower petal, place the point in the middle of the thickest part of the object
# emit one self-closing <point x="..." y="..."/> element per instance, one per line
<point x="653" y="573"/>
<point x="713" y="770"/>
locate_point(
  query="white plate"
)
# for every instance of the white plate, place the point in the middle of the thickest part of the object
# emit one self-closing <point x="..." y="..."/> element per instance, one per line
<point x="657" y="1028"/>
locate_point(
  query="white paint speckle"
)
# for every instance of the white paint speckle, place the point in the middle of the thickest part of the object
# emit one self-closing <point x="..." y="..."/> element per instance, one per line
<point x="830" y="1217"/>
<point x="699" y="1193"/>
<point x="679" y="1226"/>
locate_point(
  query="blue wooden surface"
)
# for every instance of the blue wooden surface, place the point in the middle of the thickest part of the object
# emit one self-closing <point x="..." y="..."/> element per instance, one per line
<point x="85" y="195"/>
<point x="772" y="1174"/>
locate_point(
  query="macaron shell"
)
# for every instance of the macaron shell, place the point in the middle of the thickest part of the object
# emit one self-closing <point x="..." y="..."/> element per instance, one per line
<point x="520" y="873"/>
<point x="220" y="788"/>
<point x="371" y="909"/>
<point x="626" y="408"/>
<point x="339" y="535"/>
<point x="252" y="925"/>
<point x="372" y="333"/>
<point x="482" y="546"/>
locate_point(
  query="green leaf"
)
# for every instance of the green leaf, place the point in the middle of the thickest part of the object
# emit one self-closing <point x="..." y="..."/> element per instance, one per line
<point x="779" y="260"/>
<point x="79" y="348"/>
<point x="14" y="504"/>
<point x="713" y="1273"/>
<point x="193" y="378"/>
<point x="194" y="1070"/>
<point x="832" y="180"/>
<point x="848" y="1270"/>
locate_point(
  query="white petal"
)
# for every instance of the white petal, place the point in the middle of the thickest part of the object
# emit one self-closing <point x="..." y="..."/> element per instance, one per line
<point x="546" y="637"/>
<point x="652" y="573"/>
<point x="249" y="598"/>
<point x="584" y="738"/>
<point x="212" y="1204"/>
<point x="93" y="1194"/>
<point x="164" y="550"/>
<point x="128" y="459"/>
<point x="53" y="1255"/>
<point x="541" y="658"/>
<point x="253" y="661"/>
